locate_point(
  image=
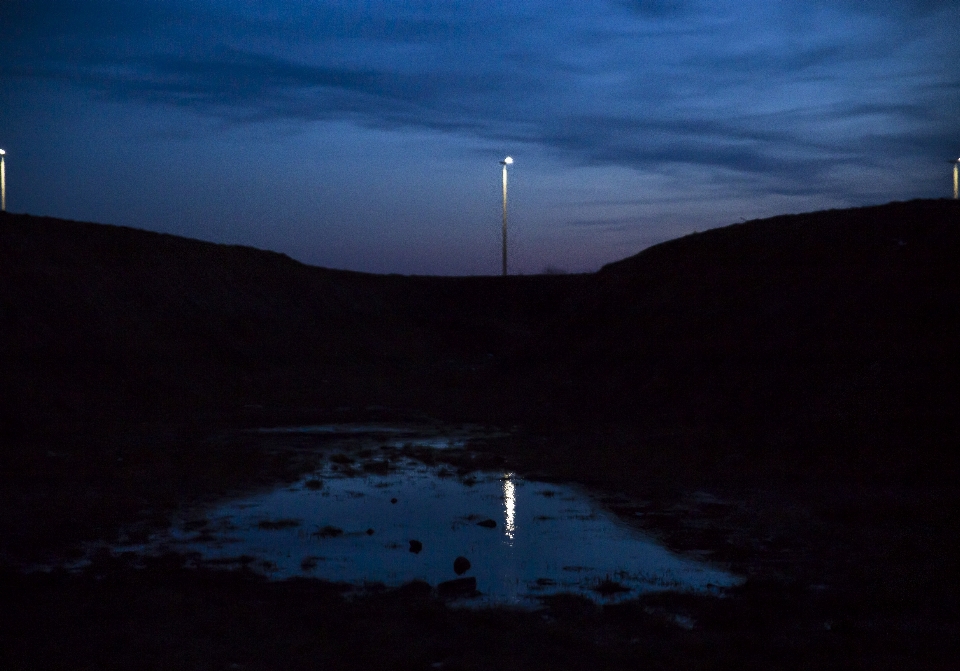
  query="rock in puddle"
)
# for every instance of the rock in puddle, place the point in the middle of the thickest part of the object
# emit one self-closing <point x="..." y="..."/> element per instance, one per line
<point x="461" y="565"/>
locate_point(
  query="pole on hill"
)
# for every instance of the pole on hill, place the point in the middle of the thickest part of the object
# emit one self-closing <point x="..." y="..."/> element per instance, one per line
<point x="956" y="179"/>
<point x="505" y="162"/>
<point x="3" y="183"/>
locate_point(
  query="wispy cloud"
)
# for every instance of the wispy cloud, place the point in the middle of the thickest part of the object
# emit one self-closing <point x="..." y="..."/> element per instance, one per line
<point x="789" y="90"/>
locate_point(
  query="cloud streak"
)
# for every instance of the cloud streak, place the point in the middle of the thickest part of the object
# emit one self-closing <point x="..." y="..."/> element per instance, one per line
<point x="782" y="94"/>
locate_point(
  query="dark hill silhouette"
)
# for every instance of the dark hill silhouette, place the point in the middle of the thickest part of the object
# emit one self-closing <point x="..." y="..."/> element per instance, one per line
<point x="103" y="323"/>
<point x="840" y="322"/>
<point x="781" y="394"/>
<point x="843" y="320"/>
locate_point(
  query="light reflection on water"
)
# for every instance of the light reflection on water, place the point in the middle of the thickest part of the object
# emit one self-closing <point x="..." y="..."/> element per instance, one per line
<point x="509" y="507"/>
<point x="343" y="524"/>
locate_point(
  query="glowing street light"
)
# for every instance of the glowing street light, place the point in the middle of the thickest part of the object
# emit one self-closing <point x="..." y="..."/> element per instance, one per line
<point x="956" y="179"/>
<point x="505" y="162"/>
<point x="3" y="183"/>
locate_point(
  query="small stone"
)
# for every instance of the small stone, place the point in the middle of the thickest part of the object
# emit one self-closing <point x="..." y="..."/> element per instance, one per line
<point x="415" y="547"/>
<point x="461" y="565"/>
<point x="393" y="500"/>
<point x="489" y="524"/>
<point x="369" y="532"/>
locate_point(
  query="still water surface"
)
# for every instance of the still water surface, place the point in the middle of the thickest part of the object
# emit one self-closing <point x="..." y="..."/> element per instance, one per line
<point x="522" y="538"/>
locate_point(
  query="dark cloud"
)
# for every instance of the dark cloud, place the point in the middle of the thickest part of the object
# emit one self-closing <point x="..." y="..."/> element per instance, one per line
<point x="614" y="223"/>
<point x="659" y="8"/>
<point x="778" y="60"/>
<point x="49" y="20"/>
<point x="524" y="73"/>
<point x="913" y="7"/>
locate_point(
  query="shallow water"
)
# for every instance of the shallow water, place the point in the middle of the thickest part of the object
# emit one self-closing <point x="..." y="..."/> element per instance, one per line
<point x="344" y="524"/>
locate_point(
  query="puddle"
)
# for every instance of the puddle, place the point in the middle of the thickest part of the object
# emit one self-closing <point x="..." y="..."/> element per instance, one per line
<point x="372" y="520"/>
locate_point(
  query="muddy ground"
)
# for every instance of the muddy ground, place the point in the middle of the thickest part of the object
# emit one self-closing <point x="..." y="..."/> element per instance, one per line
<point x="777" y="396"/>
<point x="838" y="577"/>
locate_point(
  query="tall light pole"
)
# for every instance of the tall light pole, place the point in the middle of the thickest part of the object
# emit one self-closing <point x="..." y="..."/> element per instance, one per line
<point x="3" y="183"/>
<point x="505" y="162"/>
<point x="956" y="179"/>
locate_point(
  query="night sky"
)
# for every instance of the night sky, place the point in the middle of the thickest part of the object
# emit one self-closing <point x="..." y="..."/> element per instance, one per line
<point x="367" y="134"/>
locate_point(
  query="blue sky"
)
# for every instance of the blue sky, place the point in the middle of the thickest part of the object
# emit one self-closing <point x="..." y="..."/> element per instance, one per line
<point x="367" y="134"/>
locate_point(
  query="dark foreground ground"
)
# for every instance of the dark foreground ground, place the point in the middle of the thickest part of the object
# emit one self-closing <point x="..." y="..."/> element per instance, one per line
<point x="839" y="576"/>
<point x="780" y="395"/>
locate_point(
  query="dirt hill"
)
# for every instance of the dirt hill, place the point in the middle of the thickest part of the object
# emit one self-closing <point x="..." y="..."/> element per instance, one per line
<point x="839" y="322"/>
<point x="835" y="323"/>
<point x="104" y="323"/>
